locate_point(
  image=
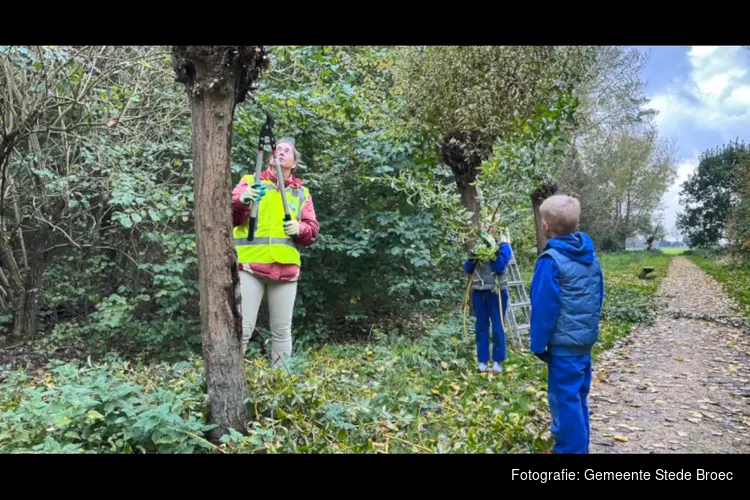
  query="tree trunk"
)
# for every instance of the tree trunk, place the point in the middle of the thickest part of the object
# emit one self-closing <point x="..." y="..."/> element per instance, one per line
<point x="537" y="198"/>
<point x="462" y="152"/>
<point x="470" y="200"/>
<point x="27" y="323"/>
<point x="17" y="291"/>
<point x="216" y="78"/>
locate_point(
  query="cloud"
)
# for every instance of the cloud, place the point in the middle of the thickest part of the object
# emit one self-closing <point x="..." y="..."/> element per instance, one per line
<point x="715" y="96"/>
<point x="671" y="199"/>
<point x="703" y="107"/>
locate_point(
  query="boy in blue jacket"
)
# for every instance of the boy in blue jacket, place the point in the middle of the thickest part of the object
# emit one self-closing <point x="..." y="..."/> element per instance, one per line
<point x="486" y="302"/>
<point x="567" y="292"/>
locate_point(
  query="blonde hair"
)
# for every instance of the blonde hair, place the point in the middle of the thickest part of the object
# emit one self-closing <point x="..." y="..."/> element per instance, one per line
<point x="562" y="213"/>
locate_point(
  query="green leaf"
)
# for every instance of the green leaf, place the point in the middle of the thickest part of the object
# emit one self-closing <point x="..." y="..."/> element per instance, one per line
<point x="93" y="416"/>
<point x="63" y="422"/>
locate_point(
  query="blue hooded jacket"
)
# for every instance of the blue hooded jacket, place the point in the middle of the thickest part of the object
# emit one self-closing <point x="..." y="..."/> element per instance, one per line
<point x="567" y="293"/>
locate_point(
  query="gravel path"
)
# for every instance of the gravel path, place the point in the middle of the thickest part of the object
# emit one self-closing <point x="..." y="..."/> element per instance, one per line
<point x="681" y="385"/>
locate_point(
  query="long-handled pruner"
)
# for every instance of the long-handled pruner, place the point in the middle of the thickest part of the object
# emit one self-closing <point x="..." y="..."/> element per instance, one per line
<point x="267" y="139"/>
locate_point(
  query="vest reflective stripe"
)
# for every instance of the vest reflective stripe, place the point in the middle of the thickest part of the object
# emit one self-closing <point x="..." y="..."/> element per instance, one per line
<point x="270" y="244"/>
<point x="302" y="201"/>
<point x="264" y="241"/>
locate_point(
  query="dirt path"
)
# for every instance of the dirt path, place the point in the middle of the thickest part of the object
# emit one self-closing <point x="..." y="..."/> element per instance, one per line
<point x="681" y="385"/>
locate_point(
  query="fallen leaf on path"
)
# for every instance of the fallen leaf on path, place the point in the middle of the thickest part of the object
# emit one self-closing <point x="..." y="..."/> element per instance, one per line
<point x="694" y="420"/>
<point x="682" y="434"/>
<point x="621" y="438"/>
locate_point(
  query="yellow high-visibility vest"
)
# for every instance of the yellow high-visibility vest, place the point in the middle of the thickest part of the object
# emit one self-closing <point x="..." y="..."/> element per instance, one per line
<point x="270" y="243"/>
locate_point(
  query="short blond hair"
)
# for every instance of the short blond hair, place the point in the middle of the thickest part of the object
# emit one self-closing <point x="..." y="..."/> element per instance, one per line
<point x="562" y="213"/>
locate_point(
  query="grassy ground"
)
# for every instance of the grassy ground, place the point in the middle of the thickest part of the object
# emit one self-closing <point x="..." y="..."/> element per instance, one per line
<point x="674" y="251"/>
<point x="668" y="251"/>
<point x="388" y="396"/>
<point x="734" y="275"/>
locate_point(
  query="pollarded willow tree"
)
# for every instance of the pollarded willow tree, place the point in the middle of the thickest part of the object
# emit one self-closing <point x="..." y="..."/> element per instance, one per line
<point x="613" y="101"/>
<point x="217" y="78"/>
<point x="472" y="99"/>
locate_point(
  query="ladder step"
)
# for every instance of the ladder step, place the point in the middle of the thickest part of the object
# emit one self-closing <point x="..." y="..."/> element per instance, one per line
<point x="520" y="304"/>
<point x="522" y="327"/>
<point x="515" y="283"/>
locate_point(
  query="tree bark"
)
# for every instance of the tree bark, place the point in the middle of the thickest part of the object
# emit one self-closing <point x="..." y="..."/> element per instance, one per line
<point x="28" y="323"/>
<point x="17" y="290"/>
<point x="217" y="77"/>
<point x="470" y="200"/>
<point x="537" y="198"/>
<point x="462" y="152"/>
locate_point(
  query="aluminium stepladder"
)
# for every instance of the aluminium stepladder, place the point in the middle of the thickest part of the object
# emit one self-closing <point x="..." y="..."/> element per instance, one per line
<point x="518" y="314"/>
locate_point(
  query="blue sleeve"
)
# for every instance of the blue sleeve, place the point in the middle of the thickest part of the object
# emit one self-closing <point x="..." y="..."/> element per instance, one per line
<point x="545" y="303"/>
<point x="601" y="289"/>
<point x="502" y="258"/>
<point x="469" y="266"/>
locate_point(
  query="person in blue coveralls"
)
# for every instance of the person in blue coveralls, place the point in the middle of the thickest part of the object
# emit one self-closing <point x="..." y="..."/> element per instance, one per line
<point x="567" y="293"/>
<point x="488" y="278"/>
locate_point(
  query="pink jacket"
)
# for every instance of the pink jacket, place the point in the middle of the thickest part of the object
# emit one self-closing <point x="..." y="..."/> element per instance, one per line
<point x="308" y="229"/>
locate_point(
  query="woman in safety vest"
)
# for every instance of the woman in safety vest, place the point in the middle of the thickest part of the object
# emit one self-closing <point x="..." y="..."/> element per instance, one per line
<point x="271" y="262"/>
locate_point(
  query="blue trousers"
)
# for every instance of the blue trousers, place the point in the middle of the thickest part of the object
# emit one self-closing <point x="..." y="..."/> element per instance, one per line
<point x="486" y="308"/>
<point x="568" y="384"/>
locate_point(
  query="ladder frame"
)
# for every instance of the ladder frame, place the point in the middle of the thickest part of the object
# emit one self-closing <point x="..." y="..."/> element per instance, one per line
<point x="519" y="302"/>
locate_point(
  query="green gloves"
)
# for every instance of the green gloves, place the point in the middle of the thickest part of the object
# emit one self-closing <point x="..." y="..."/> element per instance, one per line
<point x="489" y="240"/>
<point x="253" y="192"/>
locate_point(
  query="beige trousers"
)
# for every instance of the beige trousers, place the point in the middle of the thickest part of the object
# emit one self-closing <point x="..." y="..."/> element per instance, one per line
<point x="281" y="295"/>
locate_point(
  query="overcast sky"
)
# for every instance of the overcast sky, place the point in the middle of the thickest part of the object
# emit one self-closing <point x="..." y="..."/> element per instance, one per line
<point x="702" y="95"/>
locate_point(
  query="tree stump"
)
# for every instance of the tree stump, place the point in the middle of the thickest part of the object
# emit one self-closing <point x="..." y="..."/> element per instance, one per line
<point x="645" y="272"/>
